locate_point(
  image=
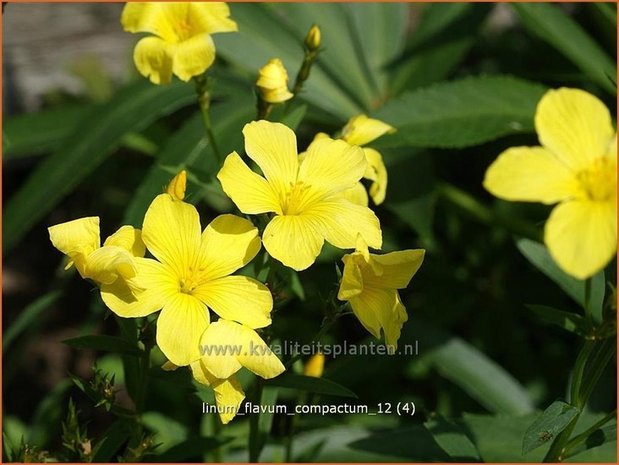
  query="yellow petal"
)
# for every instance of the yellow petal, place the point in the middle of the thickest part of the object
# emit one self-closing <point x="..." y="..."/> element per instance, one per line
<point x="228" y="243"/>
<point x="396" y="268"/>
<point x="178" y="185"/>
<point x="158" y="282"/>
<point x="210" y="17"/>
<point x="574" y="125"/>
<point x="357" y="195"/>
<point x="76" y="237"/>
<point x="293" y="240"/>
<point x="153" y="59"/>
<point x="379" y="309"/>
<point x="530" y="174"/>
<point x="361" y="130"/>
<point x="315" y="366"/>
<point x="340" y="222"/>
<point x="129" y="239"/>
<point x="108" y="263"/>
<point x="226" y="346"/>
<point x="146" y="17"/>
<point x="180" y="326"/>
<point x="332" y="165"/>
<point x="193" y="56"/>
<point x="352" y="280"/>
<point x="172" y="233"/>
<point x="377" y="172"/>
<point x="251" y="193"/>
<point x="238" y="298"/>
<point x="582" y="236"/>
<point x="273" y="147"/>
<point x="228" y="392"/>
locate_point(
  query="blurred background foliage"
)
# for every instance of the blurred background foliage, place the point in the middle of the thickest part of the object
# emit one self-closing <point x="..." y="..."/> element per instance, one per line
<point x="459" y="81"/>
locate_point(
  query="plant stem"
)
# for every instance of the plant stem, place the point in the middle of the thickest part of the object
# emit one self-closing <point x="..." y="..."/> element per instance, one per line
<point x="255" y="446"/>
<point x="204" y="100"/>
<point x="581" y="388"/>
<point x="217" y="452"/>
<point x="582" y="437"/>
<point x="482" y="213"/>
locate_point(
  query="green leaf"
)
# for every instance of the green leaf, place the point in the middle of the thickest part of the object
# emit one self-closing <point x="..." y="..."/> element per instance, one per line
<point x="539" y="256"/>
<point x="311" y="384"/>
<point x="262" y="422"/>
<point x="483" y="379"/>
<point x="191" y="449"/>
<point x="28" y="318"/>
<point x="104" y="343"/>
<point x="34" y="133"/>
<point x="168" y="432"/>
<point x="414" y="443"/>
<point x="600" y="446"/>
<point x="558" y="29"/>
<point x="48" y="415"/>
<point x="571" y="322"/>
<point x="452" y="438"/>
<point x="112" y="439"/>
<point x="294" y="118"/>
<point x="91" y="142"/>
<point x="548" y="425"/>
<point x="461" y="113"/>
<point x="498" y="438"/>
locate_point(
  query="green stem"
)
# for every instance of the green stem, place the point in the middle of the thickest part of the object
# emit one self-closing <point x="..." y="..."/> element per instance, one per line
<point x="255" y="446"/>
<point x="582" y="437"/>
<point x="581" y="389"/>
<point x="588" y="299"/>
<point x="327" y="324"/>
<point x="482" y="213"/>
<point x="204" y="100"/>
<point x="216" y="454"/>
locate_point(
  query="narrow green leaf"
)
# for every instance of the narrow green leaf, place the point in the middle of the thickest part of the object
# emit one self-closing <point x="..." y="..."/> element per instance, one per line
<point x="461" y="113"/>
<point x="48" y="415"/>
<point x="600" y="446"/>
<point x="34" y="133"/>
<point x="294" y="118"/>
<point x="169" y="432"/>
<point x="539" y="256"/>
<point x="91" y="142"/>
<point x="571" y="322"/>
<point x="562" y="32"/>
<point x="311" y="384"/>
<point x="263" y="423"/>
<point x="483" y="379"/>
<point x="548" y="425"/>
<point x="28" y="318"/>
<point x="104" y="343"/>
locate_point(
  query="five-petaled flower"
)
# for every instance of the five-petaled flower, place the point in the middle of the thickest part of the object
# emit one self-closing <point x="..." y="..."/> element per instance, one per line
<point x="306" y="195"/>
<point x="370" y="283"/>
<point x="576" y="167"/>
<point x="114" y="264"/>
<point x="181" y="43"/>
<point x="190" y="274"/>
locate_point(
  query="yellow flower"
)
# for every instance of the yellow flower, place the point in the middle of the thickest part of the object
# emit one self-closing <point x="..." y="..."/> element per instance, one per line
<point x="361" y="130"/>
<point x="273" y="82"/>
<point x="306" y="196"/>
<point x="181" y="42"/>
<point x="228" y="392"/>
<point x="192" y="272"/>
<point x="79" y="240"/>
<point x="315" y="366"/>
<point x="370" y="283"/>
<point x="576" y="167"/>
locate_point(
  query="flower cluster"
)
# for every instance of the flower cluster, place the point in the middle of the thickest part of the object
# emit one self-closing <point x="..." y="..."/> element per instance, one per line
<point x="210" y="318"/>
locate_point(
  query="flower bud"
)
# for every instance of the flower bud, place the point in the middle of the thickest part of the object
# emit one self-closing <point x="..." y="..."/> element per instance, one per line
<point x="315" y="366"/>
<point x="273" y="82"/>
<point x="177" y="186"/>
<point x="312" y="40"/>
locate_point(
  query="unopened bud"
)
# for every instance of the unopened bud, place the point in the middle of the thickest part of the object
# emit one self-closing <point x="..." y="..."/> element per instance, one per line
<point x="312" y="40"/>
<point x="177" y="186"/>
<point x="315" y="366"/>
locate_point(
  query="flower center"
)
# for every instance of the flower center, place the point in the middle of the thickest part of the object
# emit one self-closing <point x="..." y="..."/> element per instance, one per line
<point x="183" y="30"/>
<point x="192" y="279"/>
<point x="599" y="180"/>
<point x="295" y="199"/>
